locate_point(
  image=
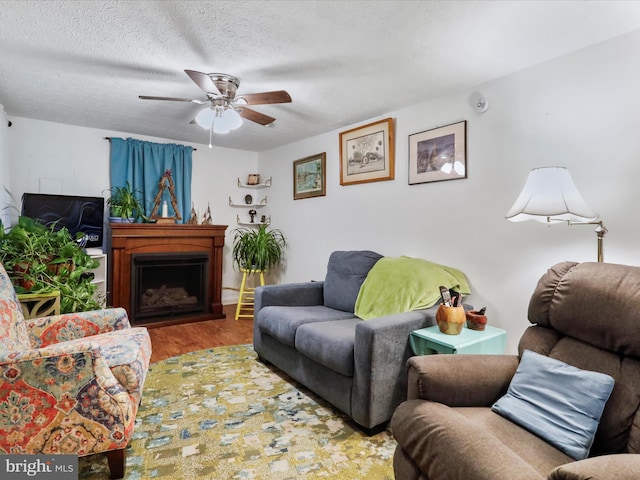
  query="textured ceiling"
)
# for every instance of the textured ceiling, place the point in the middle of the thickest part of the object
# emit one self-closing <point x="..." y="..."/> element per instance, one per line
<point x="86" y="62"/>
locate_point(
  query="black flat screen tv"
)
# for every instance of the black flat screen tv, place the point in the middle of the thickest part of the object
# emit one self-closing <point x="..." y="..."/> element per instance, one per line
<point x="78" y="214"/>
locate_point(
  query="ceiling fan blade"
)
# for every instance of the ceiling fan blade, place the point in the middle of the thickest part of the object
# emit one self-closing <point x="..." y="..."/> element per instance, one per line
<point x="173" y="99"/>
<point x="254" y="116"/>
<point x="203" y="81"/>
<point x="279" y="96"/>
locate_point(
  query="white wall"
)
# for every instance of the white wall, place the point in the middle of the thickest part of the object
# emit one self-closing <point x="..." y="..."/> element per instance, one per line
<point x="5" y="200"/>
<point x="580" y="111"/>
<point x="50" y="157"/>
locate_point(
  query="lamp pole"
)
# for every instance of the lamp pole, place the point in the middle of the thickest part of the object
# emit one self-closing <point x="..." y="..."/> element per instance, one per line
<point x="601" y="231"/>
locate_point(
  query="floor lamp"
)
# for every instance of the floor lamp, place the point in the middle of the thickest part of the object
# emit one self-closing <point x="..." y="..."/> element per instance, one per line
<point x="550" y="196"/>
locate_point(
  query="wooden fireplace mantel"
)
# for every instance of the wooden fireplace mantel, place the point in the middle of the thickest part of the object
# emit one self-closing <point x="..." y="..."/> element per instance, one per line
<point x="128" y="239"/>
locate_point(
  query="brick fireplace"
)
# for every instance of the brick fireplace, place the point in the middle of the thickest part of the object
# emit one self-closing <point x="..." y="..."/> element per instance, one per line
<point x="167" y="273"/>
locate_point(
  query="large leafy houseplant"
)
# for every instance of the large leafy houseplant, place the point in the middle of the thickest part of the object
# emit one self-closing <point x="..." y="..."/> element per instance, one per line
<point x="124" y="203"/>
<point x="43" y="259"/>
<point x="258" y="249"/>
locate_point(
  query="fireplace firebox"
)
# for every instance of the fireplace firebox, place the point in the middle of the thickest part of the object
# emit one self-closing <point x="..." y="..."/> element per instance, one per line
<point x="168" y="284"/>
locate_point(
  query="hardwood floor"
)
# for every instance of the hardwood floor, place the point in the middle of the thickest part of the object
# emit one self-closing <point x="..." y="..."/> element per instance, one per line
<point x="176" y="339"/>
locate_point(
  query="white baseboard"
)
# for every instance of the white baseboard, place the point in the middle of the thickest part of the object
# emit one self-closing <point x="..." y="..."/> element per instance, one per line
<point x="229" y="297"/>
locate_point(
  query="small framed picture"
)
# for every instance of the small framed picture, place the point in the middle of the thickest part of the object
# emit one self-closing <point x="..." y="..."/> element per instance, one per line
<point x="310" y="177"/>
<point x="367" y="153"/>
<point x="253" y="179"/>
<point x="438" y="154"/>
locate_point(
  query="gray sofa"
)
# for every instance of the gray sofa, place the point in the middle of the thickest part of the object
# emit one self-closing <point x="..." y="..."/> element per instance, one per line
<point x="309" y="331"/>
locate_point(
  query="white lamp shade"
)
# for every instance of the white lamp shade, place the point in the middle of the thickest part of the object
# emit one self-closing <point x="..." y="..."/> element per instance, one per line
<point x="233" y="118"/>
<point x="205" y="118"/>
<point x="549" y="195"/>
<point x="229" y="120"/>
<point x="223" y="121"/>
<point x="220" y="127"/>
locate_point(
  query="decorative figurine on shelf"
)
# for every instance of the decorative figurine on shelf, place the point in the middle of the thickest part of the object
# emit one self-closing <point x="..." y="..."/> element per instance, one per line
<point x="252" y="214"/>
<point x="166" y="181"/>
<point x="263" y="219"/>
<point x="253" y="179"/>
<point x="206" y="218"/>
<point x="193" y="219"/>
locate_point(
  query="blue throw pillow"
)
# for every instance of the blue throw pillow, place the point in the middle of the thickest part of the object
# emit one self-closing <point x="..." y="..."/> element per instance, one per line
<point x="558" y="402"/>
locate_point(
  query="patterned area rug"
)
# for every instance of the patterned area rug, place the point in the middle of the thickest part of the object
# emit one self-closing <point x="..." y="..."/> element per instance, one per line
<point x="221" y="414"/>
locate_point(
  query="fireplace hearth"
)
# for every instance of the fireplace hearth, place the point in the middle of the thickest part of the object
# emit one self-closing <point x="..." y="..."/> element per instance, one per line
<point x="166" y="273"/>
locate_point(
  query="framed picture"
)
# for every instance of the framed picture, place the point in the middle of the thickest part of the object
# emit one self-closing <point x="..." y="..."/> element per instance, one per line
<point x="310" y="177"/>
<point x="438" y="154"/>
<point x="367" y="153"/>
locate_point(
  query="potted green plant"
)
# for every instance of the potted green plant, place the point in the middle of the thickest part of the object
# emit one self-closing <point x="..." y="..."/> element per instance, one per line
<point x="124" y="204"/>
<point x="43" y="259"/>
<point x="258" y="249"/>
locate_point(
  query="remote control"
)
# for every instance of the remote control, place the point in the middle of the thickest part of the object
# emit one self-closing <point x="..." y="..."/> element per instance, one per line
<point x="446" y="296"/>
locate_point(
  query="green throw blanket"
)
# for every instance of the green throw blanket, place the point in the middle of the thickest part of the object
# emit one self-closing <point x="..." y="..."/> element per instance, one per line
<point x="402" y="284"/>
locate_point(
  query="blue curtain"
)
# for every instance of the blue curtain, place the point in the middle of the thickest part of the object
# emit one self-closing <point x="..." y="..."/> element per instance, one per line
<point x="143" y="164"/>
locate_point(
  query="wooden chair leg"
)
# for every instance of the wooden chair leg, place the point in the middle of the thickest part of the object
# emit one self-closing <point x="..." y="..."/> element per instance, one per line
<point x="116" y="459"/>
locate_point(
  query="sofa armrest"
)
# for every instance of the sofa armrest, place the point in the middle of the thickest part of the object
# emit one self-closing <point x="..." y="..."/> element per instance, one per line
<point x="288" y="295"/>
<point x="380" y="354"/>
<point x="82" y="357"/>
<point x="69" y="383"/>
<point x="46" y="331"/>
<point x="620" y="466"/>
<point x="460" y="380"/>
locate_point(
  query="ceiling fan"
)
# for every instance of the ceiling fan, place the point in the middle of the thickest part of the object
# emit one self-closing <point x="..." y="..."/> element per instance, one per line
<point x="225" y="109"/>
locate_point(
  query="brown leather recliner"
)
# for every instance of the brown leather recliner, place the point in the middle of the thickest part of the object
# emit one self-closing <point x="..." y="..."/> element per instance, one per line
<point x="584" y="314"/>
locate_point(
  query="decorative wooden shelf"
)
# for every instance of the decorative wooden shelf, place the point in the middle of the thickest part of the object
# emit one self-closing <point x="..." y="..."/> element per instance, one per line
<point x="262" y="203"/>
<point x="254" y="224"/>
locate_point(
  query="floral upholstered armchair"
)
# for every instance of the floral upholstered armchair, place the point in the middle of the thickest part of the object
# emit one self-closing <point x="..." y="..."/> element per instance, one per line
<point x="69" y="384"/>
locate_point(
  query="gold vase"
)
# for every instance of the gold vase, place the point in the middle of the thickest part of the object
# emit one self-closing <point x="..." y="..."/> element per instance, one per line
<point x="450" y="319"/>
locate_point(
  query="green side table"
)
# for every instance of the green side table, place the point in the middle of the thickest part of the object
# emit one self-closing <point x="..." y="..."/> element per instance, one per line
<point x="430" y="340"/>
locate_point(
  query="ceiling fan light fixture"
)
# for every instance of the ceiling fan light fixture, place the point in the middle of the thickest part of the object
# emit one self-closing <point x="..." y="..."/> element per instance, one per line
<point x="226" y="120"/>
<point x="233" y="118"/>
<point x="218" y="127"/>
<point x="205" y="118"/>
<point x="225" y="111"/>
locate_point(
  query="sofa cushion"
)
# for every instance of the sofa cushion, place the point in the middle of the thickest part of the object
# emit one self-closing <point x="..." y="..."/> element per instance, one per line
<point x="569" y="420"/>
<point x="329" y="343"/>
<point x="282" y="322"/>
<point x="346" y="271"/>
<point x="470" y="443"/>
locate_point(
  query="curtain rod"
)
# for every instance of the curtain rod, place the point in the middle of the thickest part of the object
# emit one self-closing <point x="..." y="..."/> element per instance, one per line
<point x="109" y="139"/>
